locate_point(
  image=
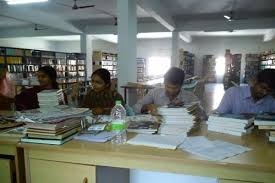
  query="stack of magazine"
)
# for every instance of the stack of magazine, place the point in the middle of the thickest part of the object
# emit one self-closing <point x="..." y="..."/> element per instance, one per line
<point x="55" y="127"/>
<point x="142" y="124"/>
<point x="237" y="125"/>
<point x="47" y="99"/>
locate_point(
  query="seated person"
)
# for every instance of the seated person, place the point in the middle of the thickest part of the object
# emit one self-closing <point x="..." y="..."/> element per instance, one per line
<point x="100" y="98"/>
<point x="7" y="90"/>
<point x="27" y="99"/>
<point x="172" y="94"/>
<point x="255" y="99"/>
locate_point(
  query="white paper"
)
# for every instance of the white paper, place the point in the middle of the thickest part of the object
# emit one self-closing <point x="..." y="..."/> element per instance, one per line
<point x="212" y="150"/>
<point x="159" y="141"/>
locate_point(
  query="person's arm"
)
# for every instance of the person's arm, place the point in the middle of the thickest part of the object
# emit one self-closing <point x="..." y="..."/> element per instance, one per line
<point x="146" y="104"/>
<point x="226" y="104"/>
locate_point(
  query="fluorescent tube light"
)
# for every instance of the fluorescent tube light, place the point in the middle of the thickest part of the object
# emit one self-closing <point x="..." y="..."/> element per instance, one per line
<point x="227" y="17"/>
<point x="14" y="2"/>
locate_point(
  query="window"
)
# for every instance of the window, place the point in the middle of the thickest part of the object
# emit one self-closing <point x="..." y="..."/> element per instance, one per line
<point x="158" y="66"/>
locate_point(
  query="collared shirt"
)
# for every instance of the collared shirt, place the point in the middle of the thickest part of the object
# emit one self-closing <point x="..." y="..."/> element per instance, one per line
<point x="158" y="97"/>
<point x="238" y="100"/>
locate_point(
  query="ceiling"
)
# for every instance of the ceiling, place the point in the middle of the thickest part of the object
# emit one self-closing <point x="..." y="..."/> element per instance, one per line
<point x="189" y="17"/>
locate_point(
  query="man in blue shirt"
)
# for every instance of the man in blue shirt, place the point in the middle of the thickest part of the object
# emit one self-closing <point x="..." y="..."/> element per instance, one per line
<point x="257" y="98"/>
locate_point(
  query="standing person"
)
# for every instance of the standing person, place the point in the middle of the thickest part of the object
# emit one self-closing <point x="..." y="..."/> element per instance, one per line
<point x="257" y="98"/>
<point x="27" y="99"/>
<point x="7" y="90"/>
<point x="100" y="98"/>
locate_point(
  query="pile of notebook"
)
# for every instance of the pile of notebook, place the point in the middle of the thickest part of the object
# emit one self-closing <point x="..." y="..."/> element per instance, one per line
<point x="56" y="132"/>
<point x="146" y="124"/>
<point x="266" y="122"/>
<point x="175" y="121"/>
<point x="237" y="125"/>
<point x="54" y="127"/>
<point x="49" y="98"/>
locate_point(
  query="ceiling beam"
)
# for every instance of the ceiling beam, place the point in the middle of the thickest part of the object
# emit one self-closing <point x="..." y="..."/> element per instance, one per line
<point x="30" y="15"/>
<point x="270" y="35"/>
<point x="185" y="37"/>
<point x="157" y="11"/>
<point x="223" y="25"/>
<point x="30" y="32"/>
<point x="111" y="29"/>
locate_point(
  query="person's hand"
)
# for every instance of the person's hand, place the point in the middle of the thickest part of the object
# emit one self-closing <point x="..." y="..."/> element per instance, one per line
<point x="150" y="108"/>
<point x="176" y="103"/>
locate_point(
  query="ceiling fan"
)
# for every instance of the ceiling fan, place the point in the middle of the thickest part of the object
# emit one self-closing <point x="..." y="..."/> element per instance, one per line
<point x="75" y="6"/>
<point x="37" y="28"/>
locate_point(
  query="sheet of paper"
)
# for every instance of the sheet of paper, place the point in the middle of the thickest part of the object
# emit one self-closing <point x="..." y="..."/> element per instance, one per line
<point x="159" y="141"/>
<point x="212" y="150"/>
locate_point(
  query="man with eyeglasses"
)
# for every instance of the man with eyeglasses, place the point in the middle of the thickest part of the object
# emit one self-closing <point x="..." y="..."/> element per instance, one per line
<point x="258" y="98"/>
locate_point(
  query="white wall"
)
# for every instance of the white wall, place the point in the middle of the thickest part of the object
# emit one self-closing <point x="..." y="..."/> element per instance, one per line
<point x="74" y="46"/>
<point x="29" y="43"/>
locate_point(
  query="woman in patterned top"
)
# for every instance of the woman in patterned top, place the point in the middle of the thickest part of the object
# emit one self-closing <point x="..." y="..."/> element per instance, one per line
<point x="100" y="98"/>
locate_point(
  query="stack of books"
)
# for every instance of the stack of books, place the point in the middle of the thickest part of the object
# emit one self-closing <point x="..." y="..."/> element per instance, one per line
<point x="146" y="124"/>
<point x="267" y="123"/>
<point x="47" y="99"/>
<point x="175" y="121"/>
<point x="56" y="132"/>
<point x="237" y="125"/>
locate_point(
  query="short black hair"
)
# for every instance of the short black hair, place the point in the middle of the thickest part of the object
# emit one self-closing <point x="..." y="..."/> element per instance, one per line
<point x="174" y="76"/>
<point x="267" y="76"/>
<point x="51" y="73"/>
<point x="104" y="74"/>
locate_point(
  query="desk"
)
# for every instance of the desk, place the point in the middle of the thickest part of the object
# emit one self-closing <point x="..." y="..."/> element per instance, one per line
<point x="13" y="157"/>
<point x="257" y="165"/>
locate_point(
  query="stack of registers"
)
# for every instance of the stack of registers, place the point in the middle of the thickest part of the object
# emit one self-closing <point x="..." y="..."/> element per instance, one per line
<point x="267" y="123"/>
<point x="237" y="125"/>
<point x="146" y="124"/>
<point x="177" y="121"/>
<point x="56" y="127"/>
<point x="49" y="98"/>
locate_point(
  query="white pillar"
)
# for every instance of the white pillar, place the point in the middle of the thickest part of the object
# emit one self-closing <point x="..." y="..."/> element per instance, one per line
<point x="86" y="47"/>
<point x="127" y="31"/>
<point x="175" y="49"/>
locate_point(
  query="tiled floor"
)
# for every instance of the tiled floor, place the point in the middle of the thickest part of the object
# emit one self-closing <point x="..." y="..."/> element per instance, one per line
<point x="212" y="96"/>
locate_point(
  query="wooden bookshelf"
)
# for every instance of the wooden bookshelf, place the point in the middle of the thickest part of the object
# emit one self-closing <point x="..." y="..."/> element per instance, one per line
<point x="24" y="63"/>
<point x="187" y="63"/>
<point x="267" y="61"/>
<point x="208" y="71"/>
<point x="232" y="69"/>
<point x="141" y="69"/>
<point x="107" y="61"/>
<point x="251" y="66"/>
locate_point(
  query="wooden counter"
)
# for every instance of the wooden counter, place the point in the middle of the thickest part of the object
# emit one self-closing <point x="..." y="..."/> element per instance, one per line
<point x="257" y="165"/>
